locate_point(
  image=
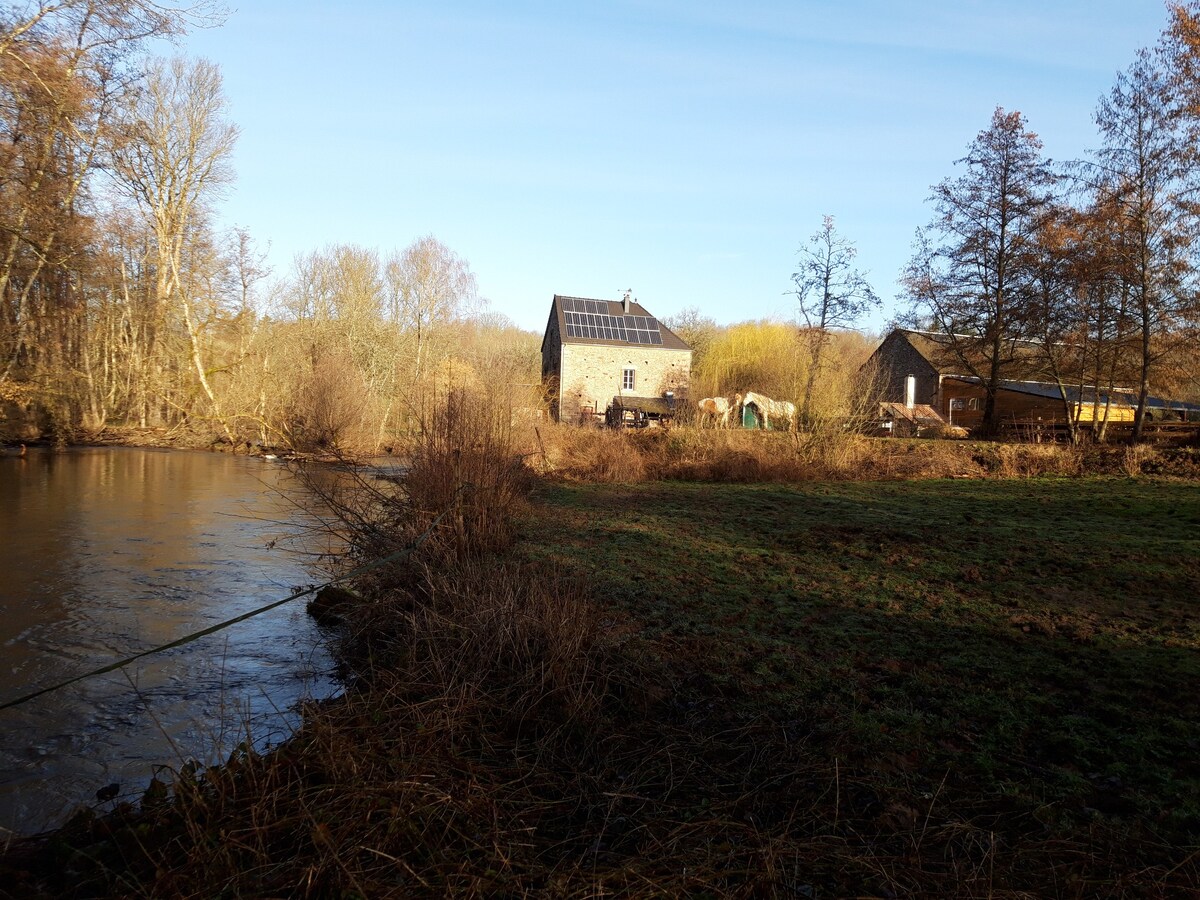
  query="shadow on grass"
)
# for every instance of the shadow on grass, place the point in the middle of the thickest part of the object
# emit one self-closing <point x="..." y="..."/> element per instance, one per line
<point x="1027" y="642"/>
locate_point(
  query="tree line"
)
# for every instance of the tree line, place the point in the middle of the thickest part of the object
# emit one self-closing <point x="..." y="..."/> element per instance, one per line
<point x="1091" y="266"/>
<point x="1083" y="274"/>
<point x="122" y="303"/>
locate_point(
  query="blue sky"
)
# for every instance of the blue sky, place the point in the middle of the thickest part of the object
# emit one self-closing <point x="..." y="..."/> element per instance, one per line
<point x="681" y="149"/>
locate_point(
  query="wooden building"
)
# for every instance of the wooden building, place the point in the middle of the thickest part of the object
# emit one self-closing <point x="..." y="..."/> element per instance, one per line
<point x="917" y="368"/>
<point x="598" y="351"/>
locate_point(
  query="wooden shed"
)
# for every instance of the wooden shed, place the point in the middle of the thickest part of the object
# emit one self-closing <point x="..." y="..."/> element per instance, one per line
<point x="919" y="368"/>
<point x="639" y="412"/>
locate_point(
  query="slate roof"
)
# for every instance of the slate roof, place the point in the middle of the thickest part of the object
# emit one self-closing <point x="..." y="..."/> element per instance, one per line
<point x="938" y="350"/>
<point x="1050" y="391"/>
<point x="582" y="320"/>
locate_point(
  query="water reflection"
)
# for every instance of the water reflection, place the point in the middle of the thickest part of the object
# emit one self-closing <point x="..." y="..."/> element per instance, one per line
<point x="106" y="552"/>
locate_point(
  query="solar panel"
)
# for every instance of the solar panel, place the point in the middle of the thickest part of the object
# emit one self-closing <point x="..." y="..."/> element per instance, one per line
<point x="591" y="319"/>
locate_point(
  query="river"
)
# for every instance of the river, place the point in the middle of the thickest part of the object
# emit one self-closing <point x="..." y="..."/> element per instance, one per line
<point x="106" y="552"/>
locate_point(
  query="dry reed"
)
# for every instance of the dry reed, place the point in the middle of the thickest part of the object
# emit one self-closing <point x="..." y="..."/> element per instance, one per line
<point x="694" y="453"/>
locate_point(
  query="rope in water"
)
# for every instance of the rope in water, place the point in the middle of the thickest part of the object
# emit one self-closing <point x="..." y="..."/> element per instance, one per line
<point x="220" y="626"/>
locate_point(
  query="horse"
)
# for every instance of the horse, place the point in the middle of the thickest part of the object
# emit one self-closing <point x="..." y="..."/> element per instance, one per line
<point x="717" y="408"/>
<point x="771" y="409"/>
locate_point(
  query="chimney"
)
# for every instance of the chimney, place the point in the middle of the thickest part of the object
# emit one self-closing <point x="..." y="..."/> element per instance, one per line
<point x="625" y="302"/>
<point x="910" y="391"/>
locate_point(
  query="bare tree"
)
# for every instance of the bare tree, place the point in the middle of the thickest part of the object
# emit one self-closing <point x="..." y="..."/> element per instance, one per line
<point x="173" y="161"/>
<point x="695" y="329"/>
<point x="1145" y="171"/>
<point x="64" y="65"/>
<point x="830" y="293"/>
<point x="428" y="285"/>
<point x="971" y="266"/>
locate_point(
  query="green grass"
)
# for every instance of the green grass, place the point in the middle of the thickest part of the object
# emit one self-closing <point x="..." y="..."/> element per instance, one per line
<point x="1020" y="643"/>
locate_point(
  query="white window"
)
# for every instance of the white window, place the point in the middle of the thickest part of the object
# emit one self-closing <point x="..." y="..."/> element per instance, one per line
<point x="628" y="379"/>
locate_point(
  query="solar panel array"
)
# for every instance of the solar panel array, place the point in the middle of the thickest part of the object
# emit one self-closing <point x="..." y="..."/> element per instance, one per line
<point x="590" y="319"/>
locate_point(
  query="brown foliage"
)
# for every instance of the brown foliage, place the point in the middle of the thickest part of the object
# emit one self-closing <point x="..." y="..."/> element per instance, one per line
<point x="736" y="455"/>
<point x="463" y="466"/>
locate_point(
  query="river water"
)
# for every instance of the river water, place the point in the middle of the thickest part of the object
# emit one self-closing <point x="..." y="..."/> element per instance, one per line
<point x="105" y="552"/>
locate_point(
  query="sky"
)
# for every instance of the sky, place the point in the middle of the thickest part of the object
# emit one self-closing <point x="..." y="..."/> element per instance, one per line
<point x="682" y="149"/>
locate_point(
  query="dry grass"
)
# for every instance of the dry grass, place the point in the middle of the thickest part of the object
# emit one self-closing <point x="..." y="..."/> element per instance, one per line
<point x="465" y="460"/>
<point x="736" y="455"/>
<point x="1136" y="458"/>
<point x="473" y="729"/>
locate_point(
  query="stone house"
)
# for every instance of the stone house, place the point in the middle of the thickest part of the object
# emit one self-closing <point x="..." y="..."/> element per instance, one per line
<point x="598" y="351"/>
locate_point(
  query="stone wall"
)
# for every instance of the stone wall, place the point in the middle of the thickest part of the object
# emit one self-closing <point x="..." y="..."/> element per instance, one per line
<point x="591" y="375"/>
<point x="551" y="359"/>
<point x="551" y="343"/>
<point x="894" y="361"/>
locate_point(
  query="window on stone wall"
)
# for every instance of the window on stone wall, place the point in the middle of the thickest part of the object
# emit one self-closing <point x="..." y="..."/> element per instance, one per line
<point x="628" y="379"/>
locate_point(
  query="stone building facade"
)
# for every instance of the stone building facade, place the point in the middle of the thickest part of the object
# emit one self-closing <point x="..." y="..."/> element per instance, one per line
<point x="596" y="350"/>
<point x="904" y="354"/>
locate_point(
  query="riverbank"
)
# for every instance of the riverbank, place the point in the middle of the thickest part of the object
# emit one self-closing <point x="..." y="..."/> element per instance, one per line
<point x="186" y="439"/>
<point x="964" y="686"/>
<point x="733" y="455"/>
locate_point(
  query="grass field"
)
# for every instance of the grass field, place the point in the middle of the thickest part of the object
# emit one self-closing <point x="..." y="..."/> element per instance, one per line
<point x="1023" y="648"/>
<point x="949" y="687"/>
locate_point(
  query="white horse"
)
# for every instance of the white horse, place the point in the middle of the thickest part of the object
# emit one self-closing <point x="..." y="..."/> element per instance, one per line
<point x="717" y="408"/>
<point x="769" y="409"/>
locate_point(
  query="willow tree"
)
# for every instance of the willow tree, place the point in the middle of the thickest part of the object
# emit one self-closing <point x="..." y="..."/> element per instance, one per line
<point x="173" y="162"/>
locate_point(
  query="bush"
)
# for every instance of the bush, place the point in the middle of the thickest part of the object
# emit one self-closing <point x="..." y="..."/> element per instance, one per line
<point x="465" y="474"/>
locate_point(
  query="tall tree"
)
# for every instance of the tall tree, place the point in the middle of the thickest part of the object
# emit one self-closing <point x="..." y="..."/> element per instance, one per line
<point x="830" y="293"/>
<point x="173" y="161"/>
<point x="428" y="285"/>
<point x="1180" y="48"/>
<point x="972" y="262"/>
<point x="1053" y="315"/>
<point x="64" y="64"/>
<point x="1144" y="171"/>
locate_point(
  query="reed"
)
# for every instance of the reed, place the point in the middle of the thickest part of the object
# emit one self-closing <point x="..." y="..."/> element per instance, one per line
<point x="696" y="453"/>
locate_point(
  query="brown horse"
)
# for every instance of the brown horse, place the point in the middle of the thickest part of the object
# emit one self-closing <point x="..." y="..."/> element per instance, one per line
<point x="716" y="408"/>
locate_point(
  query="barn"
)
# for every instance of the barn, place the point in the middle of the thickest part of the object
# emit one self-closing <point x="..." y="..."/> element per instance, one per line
<point x="602" y="353"/>
<point x="917" y="368"/>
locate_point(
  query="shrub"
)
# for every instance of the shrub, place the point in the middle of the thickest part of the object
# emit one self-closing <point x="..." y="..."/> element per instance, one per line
<point x="465" y="474"/>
